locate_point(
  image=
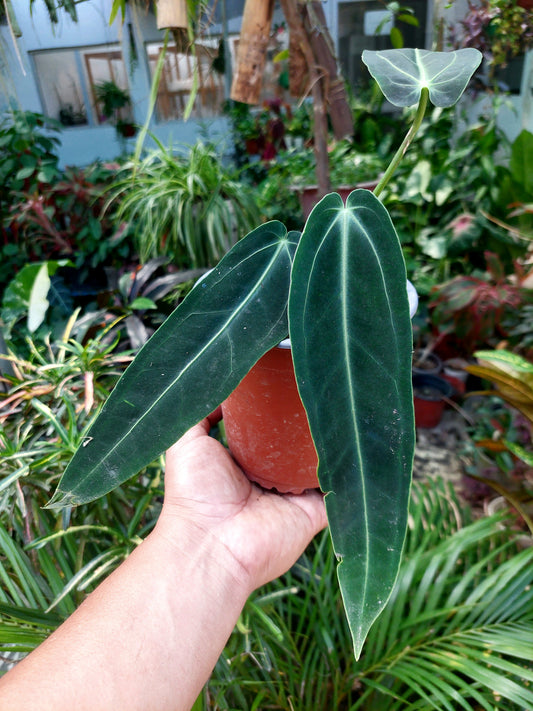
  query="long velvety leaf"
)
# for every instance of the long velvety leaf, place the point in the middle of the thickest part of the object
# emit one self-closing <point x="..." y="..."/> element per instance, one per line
<point x="190" y="365"/>
<point x="351" y="339"/>
<point x="403" y="73"/>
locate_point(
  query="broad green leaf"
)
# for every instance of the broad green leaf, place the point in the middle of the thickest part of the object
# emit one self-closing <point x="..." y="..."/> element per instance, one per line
<point x="522" y="159"/>
<point x="24" y="173"/>
<point x="352" y="343"/>
<point x="403" y="73"/>
<point x="519" y="452"/>
<point x="142" y="302"/>
<point x="511" y="363"/>
<point x="396" y="38"/>
<point x="189" y="366"/>
<point x="513" y="386"/>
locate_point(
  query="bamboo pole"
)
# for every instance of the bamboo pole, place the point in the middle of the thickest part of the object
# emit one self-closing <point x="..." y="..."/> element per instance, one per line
<point x="171" y="14"/>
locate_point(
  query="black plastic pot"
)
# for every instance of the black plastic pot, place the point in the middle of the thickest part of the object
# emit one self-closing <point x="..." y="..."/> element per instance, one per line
<point x="426" y="363"/>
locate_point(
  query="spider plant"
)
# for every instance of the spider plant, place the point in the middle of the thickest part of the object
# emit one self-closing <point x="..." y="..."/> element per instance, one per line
<point x="187" y="206"/>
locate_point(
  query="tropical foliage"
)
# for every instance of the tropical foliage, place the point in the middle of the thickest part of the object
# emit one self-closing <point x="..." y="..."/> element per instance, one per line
<point x="456" y="631"/>
<point x="49" y="561"/>
<point x="455" y="634"/>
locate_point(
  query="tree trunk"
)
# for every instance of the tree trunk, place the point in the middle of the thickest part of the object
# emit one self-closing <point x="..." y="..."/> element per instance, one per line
<point x="251" y="55"/>
<point x="324" y="53"/>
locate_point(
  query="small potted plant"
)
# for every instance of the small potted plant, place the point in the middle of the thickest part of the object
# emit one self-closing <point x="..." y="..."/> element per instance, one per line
<point x="503" y="31"/>
<point x="339" y="291"/>
<point x="114" y="103"/>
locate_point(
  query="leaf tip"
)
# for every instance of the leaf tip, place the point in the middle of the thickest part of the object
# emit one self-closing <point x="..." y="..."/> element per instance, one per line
<point x="60" y="500"/>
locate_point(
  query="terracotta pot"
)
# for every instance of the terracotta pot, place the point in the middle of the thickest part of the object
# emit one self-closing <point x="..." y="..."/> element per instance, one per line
<point x="430" y="394"/>
<point x="266" y="426"/>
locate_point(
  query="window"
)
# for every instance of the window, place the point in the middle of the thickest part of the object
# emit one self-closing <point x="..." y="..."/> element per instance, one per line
<point x="104" y="67"/>
<point x="67" y="80"/>
<point x="358" y="23"/>
<point x="177" y="80"/>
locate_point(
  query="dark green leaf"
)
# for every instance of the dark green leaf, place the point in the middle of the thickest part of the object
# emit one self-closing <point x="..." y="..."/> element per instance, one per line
<point x="521" y="160"/>
<point x="351" y="338"/>
<point x="191" y="363"/>
<point x="24" y="173"/>
<point x="403" y="73"/>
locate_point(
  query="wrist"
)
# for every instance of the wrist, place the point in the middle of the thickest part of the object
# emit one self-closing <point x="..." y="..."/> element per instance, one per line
<point x="183" y="545"/>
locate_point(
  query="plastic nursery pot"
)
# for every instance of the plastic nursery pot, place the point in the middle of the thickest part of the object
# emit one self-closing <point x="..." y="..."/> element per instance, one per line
<point x="430" y="393"/>
<point x="266" y="423"/>
<point x="453" y="370"/>
<point x="426" y="363"/>
<point x="266" y="426"/>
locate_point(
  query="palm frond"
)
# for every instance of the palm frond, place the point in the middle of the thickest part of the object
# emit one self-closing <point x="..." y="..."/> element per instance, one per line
<point x="456" y="633"/>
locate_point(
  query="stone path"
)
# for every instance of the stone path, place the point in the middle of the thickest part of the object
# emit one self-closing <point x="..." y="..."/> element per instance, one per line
<point x="436" y="449"/>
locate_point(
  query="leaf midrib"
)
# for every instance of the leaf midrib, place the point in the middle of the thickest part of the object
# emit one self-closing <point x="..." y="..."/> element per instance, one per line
<point x="283" y="245"/>
<point x="347" y="214"/>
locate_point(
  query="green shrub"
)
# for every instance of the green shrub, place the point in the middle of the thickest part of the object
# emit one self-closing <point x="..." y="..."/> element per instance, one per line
<point x="48" y="213"/>
<point x="448" y="197"/>
<point x="457" y="629"/>
<point x="28" y="144"/>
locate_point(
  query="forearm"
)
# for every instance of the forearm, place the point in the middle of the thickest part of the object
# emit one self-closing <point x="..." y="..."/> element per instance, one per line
<point x="147" y="638"/>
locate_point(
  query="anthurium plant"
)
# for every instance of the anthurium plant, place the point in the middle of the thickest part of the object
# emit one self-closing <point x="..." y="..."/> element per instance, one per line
<point x="338" y="290"/>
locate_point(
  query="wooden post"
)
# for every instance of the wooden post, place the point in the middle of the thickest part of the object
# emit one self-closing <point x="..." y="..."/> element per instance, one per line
<point x="171" y="14"/>
<point x="320" y="120"/>
<point x="251" y="55"/>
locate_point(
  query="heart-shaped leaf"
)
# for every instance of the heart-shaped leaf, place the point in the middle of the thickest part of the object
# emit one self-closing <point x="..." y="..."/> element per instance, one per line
<point x="403" y="73"/>
<point x="351" y="339"/>
<point x="190" y="365"/>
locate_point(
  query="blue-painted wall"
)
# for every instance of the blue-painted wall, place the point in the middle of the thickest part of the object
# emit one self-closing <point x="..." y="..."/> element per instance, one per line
<point x="83" y="144"/>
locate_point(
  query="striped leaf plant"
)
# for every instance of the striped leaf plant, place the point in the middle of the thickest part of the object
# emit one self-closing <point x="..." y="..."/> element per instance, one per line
<point x="338" y="290"/>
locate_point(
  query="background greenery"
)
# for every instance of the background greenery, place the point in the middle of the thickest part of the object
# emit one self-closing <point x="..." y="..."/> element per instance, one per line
<point x="121" y="244"/>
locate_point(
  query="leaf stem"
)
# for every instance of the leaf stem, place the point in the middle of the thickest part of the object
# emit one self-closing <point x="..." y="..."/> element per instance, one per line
<point x="395" y="162"/>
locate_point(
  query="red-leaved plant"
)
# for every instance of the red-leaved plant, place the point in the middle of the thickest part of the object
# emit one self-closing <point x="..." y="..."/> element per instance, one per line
<point x="474" y="308"/>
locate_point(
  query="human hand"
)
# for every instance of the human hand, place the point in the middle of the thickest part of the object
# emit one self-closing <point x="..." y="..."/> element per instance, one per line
<point x="264" y="532"/>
